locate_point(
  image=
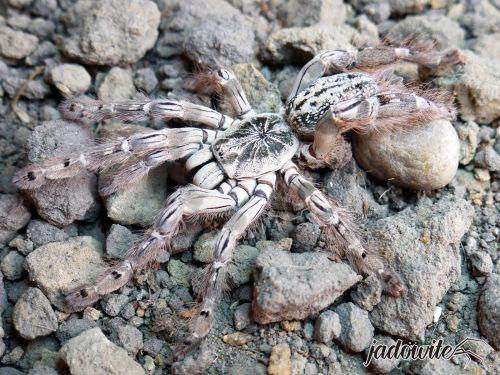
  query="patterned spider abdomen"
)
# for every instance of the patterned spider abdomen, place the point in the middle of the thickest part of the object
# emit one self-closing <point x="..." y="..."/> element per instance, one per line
<point x="255" y="146"/>
<point x="304" y="111"/>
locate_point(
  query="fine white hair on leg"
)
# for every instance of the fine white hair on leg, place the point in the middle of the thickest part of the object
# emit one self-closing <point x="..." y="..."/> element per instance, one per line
<point x="186" y="202"/>
<point x="339" y="232"/>
<point x="213" y="280"/>
<point x="209" y="176"/>
<point x="233" y="93"/>
<point x="142" y="110"/>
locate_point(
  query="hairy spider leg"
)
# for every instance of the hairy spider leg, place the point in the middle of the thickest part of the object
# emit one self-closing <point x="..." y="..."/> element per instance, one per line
<point x="339" y="232"/>
<point x="185" y="202"/>
<point x="233" y="93"/>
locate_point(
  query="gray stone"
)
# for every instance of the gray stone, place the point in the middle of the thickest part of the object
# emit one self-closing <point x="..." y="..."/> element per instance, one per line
<point x="60" y="202"/>
<point x="196" y="362"/>
<point x="357" y="331"/>
<point x="486" y="46"/>
<point x="211" y="45"/>
<point x="481" y="263"/>
<point x="181" y="272"/>
<point x="436" y="367"/>
<point x="299" y="45"/>
<point x="140" y="203"/>
<point x="42" y="370"/>
<point x="421" y="157"/>
<point x="36" y="89"/>
<point x="42" y="233"/>
<point x="242" y="316"/>
<point x="70" y="79"/>
<point x="383" y="365"/>
<point x="293" y="286"/>
<point x="44" y="8"/>
<point x="262" y="94"/>
<point x="482" y="17"/>
<point x="118" y="85"/>
<point x="12" y="266"/>
<point x="489" y="310"/>
<point x="125" y="335"/>
<point x="13" y="216"/>
<point x="468" y="135"/>
<point x="239" y="270"/>
<point x="16" y="44"/>
<point x="145" y="80"/>
<point x="368" y="293"/>
<point x="33" y="316"/>
<point x="10" y="371"/>
<point x="59" y="267"/>
<point x="297" y="13"/>
<point x="477" y="88"/>
<point x="92" y="353"/>
<point x="443" y="31"/>
<point x="20" y="3"/>
<point x="113" y="303"/>
<point x="118" y="241"/>
<point x="327" y="327"/>
<point x="427" y="267"/>
<point x="72" y="328"/>
<point x="152" y="346"/>
<point x="23" y="246"/>
<point x="404" y="7"/>
<point x="488" y="158"/>
<point x="305" y="236"/>
<point x="111" y="32"/>
<point x="13" y="357"/>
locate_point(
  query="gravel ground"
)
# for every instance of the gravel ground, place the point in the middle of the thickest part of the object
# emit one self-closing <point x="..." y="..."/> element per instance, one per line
<point x="321" y="319"/>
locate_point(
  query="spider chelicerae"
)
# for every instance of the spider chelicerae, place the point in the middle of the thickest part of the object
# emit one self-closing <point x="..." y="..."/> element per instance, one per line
<point x="237" y="161"/>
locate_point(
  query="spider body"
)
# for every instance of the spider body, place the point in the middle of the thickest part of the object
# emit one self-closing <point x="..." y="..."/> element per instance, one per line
<point x="236" y="161"/>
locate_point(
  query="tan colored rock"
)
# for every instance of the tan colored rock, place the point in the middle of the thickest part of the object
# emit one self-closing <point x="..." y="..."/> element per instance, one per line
<point x="236" y="338"/>
<point x="423" y="158"/>
<point x="280" y="361"/>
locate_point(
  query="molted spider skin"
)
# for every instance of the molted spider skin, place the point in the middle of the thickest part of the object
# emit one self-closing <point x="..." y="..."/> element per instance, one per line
<point x="235" y="163"/>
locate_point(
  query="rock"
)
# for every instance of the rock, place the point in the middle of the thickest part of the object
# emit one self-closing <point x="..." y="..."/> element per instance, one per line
<point x="13" y="357"/>
<point x="23" y="246"/>
<point x="59" y="267"/>
<point x="125" y="335"/>
<point x="301" y="13"/>
<point x="92" y="353"/>
<point x="138" y="204"/>
<point x="477" y="88"/>
<point x="20" y="3"/>
<point x="242" y="316"/>
<point x="44" y="8"/>
<point x="181" y="272"/>
<point x="357" y="331"/>
<point x="488" y="158"/>
<point x="33" y="316"/>
<point x="305" y="236"/>
<point x="293" y="286"/>
<point x="346" y="186"/>
<point x="12" y="266"/>
<point x="489" y="310"/>
<point x="468" y="134"/>
<point x="13" y="216"/>
<point x="16" y="45"/>
<point x="481" y="263"/>
<point x="437" y="367"/>
<point x="263" y="95"/>
<point x="280" y="360"/>
<point x="482" y="17"/>
<point x="367" y="293"/>
<point x="239" y="270"/>
<point x="196" y="362"/>
<point x="299" y="45"/>
<point x="118" y="85"/>
<point x="383" y="365"/>
<point x="70" y="79"/>
<point x="443" y="31"/>
<point x="237" y="338"/>
<point x="467" y="179"/>
<point x="427" y="270"/>
<point x="42" y="370"/>
<point x="5" y="370"/>
<point x="42" y="233"/>
<point x="486" y="46"/>
<point x="327" y="327"/>
<point x="61" y="202"/>
<point x="113" y="303"/>
<point x="423" y="158"/>
<point x="145" y="80"/>
<point x="405" y="7"/>
<point x="111" y="32"/>
<point x="118" y="241"/>
<point x="213" y="45"/>
<point x="72" y="328"/>
<point x="37" y="88"/>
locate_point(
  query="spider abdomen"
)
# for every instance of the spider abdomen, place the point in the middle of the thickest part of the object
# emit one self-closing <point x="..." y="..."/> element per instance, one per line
<point x="304" y="111"/>
<point x="255" y="146"/>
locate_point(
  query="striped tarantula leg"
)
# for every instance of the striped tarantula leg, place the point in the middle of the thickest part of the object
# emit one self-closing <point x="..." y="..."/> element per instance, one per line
<point x="325" y="63"/>
<point x="233" y="92"/>
<point x="142" y="110"/>
<point x="184" y="202"/>
<point x="213" y="280"/>
<point x="340" y="232"/>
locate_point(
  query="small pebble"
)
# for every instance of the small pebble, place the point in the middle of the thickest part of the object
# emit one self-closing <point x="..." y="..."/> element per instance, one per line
<point x="237" y="339"/>
<point x="280" y="360"/>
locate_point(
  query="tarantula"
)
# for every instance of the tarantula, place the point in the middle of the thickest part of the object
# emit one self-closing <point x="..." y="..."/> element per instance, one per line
<point x="235" y="162"/>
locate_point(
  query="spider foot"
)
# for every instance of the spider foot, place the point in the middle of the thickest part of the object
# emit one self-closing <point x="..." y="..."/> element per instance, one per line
<point x="80" y="298"/>
<point x="392" y="284"/>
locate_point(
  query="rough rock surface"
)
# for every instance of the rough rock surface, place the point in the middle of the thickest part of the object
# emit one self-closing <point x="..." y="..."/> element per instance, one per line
<point x="118" y="85"/>
<point x="327" y="327"/>
<point x="357" y="332"/>
<point x="13" y="216"/>
<point x="111" y="32"/>
<point x="70" y="79"/>
<point x="489" y="310"/>
<point x="33" y="316"/>
<point x="58" y="267"/>
<point x="61" y="202"/>
<point x="293" y="286"/>
<point x="296" y="13"/>
<point x="16" y="44"/>
<point x="424" y="157"/>
<point x="427" y="265"/>
<point x="92" y="353"/>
